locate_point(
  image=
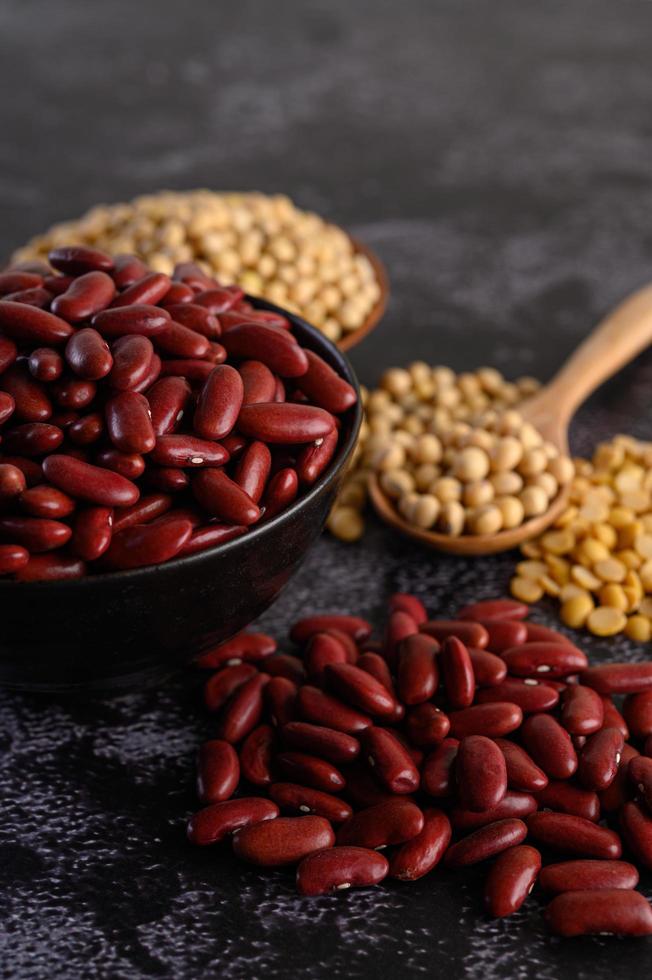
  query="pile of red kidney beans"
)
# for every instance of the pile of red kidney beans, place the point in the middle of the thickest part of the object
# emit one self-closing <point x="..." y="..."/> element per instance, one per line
<point x="145" y="417"/>
<point x="481" y="739"/>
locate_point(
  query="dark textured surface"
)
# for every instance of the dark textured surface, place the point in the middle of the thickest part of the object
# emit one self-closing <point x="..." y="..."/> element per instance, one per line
<point x="498" y="157"/>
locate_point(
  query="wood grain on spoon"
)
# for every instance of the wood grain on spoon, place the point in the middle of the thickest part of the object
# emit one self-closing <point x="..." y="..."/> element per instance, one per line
<point x="617" y="339"/>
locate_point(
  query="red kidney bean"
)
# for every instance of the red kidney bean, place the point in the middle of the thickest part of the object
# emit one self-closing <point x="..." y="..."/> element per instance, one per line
<point x="221" y="497"/>
<point x="309" y="770"/>
<point x="582" y="710"/>
<point x="147" y="509"/>
<point x="129" y="465"/>
<point x="587" y="875"/>
<point x="611" y="911"/>
<point x="31" y="470"/>
<point x="536" y="633"/>
<point x="243" y="646"/>
<point x="640" y="775"/>
<point x="92" y="532"/>
<point x="7" y="406"/>
<point x="486" y="842"/>
<point x="420" y="855"/>
<point x="530" y="695"/>
<point x="45" y="364"/>
<point x="637" y="711"/>
<point x="73" y="394"/>
<point x="150" y="321"/>
<point x="210" y="536"/>
<point x="243" y="711"/>
<point x="86" y="430"/>
<point x="360" y="689"/>
<point x="636" y="827"/>
<point x="189" y="369"/>
<point x="512" y="805"/>
<point x="576" y="835"/>
<point x="335" y="746"/>
<point x="323" y="649"/>
<point x="57" y="284"/>
<point x="218" y="771"/>
<point x="88" y="354"/>
<point x="31" y="403"/>
<point x="481" y="773"/>
<point x="552" y="659"/>
<point x="562" y="796"/>
<point x="400" y="625"/>
<point x="132" y="358"/>
<point x="305" y="799"/>
<point x="511" y="880"/>
<point x="363" y="790"/>
<point x="219" y="688"/>
<point x="152" y="375"/>
<point x="168" y="479"/>
<point x="599" y="759"/>
<point x="409" y="604"/>
<point x="75" y="260"/>
<point x="168" y="400"/>
<point x="619" y="792"/>
<point x="467" y="632"/>
<point x="85" y="296"/>
<point x="49" y="567"/>
<point x="281" y="700"/>
<point x="647" y="748"/>
<point x="194" y="317"/>
<point x="12" y="558"/>
<point x="127" y="269"/>
<point x="15" y="279"/>
<point x="338" y="868"/>
<point x="256" y="754"/>
<point x="377" y="666"/>
<point x="261" y="342"/>
<point x="522" y="772"/>
<point x="187" y="451"/>
<point x="179" y="341"/>
<point x="321" y="709"/>
<point x="45" y="501"/>
<point x="129" y="424"/>
<point x="286" y="665"/>
<point x="324" y="386"/>
<point x="438" y="768"/>
<point x="285" y="840"/>
<point x="618" y="678"/>
<point x="349" y="644"/>
<point x="149" y="289"/>
<point x="33" y="439"/>
<point x="389" y="759"/>
<point x="391" y="822"/>
<point x="418" y="675"/>
<point x="259" y="384"/>
<point x="214" y="823"/>
<point x="253" y="470"/>
<point x="494" y="609"/>
<point x="30" y="324"/>
<point x="314" y="458"/>
<point x="426" y="725"/>
<point x="87" y="482"/>
<point x="216" y="300"/>
<point x="457" y="672"/>
<point x="488" y="669"/>
<point x="12" y="482"/>
<point x="503" y="633"/>
<point x="147" y="544"/>
<point x="354" y="626"/>
<point x="549" y="745"/>
<point x="34" y="533"/>
<point x="8" y="353"/>
<point x="284" y="422"/>
<point x="281" y="491"/>
<point x="493" y="720"/>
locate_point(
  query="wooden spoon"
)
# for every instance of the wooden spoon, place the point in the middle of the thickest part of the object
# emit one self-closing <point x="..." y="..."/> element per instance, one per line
<point x="353" y="337"/>
<point x="617" y="339"/>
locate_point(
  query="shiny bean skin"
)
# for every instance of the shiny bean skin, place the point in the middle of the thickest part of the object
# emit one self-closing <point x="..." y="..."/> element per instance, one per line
<point x="587" y="875"/>
<point x="438" y="769"/>
<point x="549" y="745"/>
<point x="12" y="482"/>
<point x="503" y="633"/>
<point x="250" y="647"/>
<point x="45" y="364"/>
<point x="324" y="387"/>
<point x="29" y="324"/>
<point x="37" y="534"/>
<point x="32" y="474"/>
<point x="486" y="842"/>
<point x="562" y="796"/>
<point x="522" y="772"/>
<point x="321" y="709"/>
<point x="128" y="423"/>
<point x="488" y="669"/>
<point x="286" y="665"/>
<point x="530" y="695"/>
<point x="50" y="567"/>
<point x="256" y="754"/>
<point x="141" y="319"/>
<point x="314" y="458"/>
<point x="212" y="824"/>
<point x="457" y="672"/>
<point x="260" y="342"/>
<point x="322" y="650"/>
<point x="377" y="666"/>
<point x="178" y="341"/>
<point x="494" y="720"/>
<point x="259" y="383"/>
<point x="8" y="353"/>
<point x="187" y="451"/>
<point x="88" y="354"/>
<point x="45" y="501"/>
<point x="390" y="760"/>
<point x="637" y="711"/>
<point x="185" y="367"/>
<point x="391" y="822"/>
<point x="132" y="357"/>
<point x="31" y="402"/>
<point x="7" y="406"/>
<point x="481" y="773"/>
<point x="86" y="295"/>
<point x="253" y="470"/>
<point x="280" y="492"/>
<point x="217" y="300"/>
<point x="73" y="393"/>
<point x="338" y="868"/>
<point x="297" y="798"/>
<point x="168" y="401"/>
<point x="511" y="880"/>
<point x="640" y="776"/>
<point x="619" y="791"/>
<point x="418" y="674"/>
<point x="129" y="465"/>
<point x="420" y="855"/>
<point x="75" y="260"/>
<point x="243" y="711"/>
<point x="284" y="422"/>
<point x="536" y="633"/>
<point x="355" y="626"/>
<point x="613" y="717"/>
<point x="513" y="804"/>
<point x="221" y="497"/>
<point x="147" y="544"/>
<point x="327" y="743"/>
<point x="12" y="558"/>
<point x="153" y="373"/>
<point x="84" y="481"/>
<point x="285" y="840"/>
<point x="33" y="439"/>
<point x="218" y="771"/>
<point x="210" y="536"/>
<point x="281" y="700"/>
<point x="426" y="725"/>
<point x="92" y="532"/>
<point x="360" y="689"/>
<point x="636" y="827"/>
<point x="219" y="688"/>
<point x="575" y="835"/>
<point x="309" y="770"/>
<point x="469" y="633"/>
<point x="582" y="710"/>
<point x="599" y="759"/>
<point x="86" y="430"/>
<point x="618" y="678"/>
<point x="127" y="269"/>
<point x="611" y="911"/>
<point x="555" y="660"/>
<point x="497" y="609"/>
<point x="15" y="280"/>
<point x="195" y="317"/>
<point x="149" y="289"/>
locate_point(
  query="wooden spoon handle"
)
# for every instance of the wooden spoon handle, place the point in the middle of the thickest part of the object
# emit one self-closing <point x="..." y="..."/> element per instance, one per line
<point x="617" y="339"/>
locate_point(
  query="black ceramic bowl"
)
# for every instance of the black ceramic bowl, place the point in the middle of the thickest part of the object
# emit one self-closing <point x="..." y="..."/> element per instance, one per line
<point x="122" y="629"/>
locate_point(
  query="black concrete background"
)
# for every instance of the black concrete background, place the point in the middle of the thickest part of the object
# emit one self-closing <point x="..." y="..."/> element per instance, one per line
<point x="499" y="158"/>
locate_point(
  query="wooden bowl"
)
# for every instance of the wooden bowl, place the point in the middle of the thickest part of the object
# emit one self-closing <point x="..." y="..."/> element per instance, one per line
<point x="353" y="337"/>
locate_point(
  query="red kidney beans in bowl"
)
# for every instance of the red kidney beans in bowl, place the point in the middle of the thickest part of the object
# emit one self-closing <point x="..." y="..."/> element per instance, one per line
<point x="116" y="393"/>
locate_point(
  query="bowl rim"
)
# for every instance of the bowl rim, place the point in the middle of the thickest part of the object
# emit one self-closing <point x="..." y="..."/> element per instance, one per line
<point x="132" y="576"/>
